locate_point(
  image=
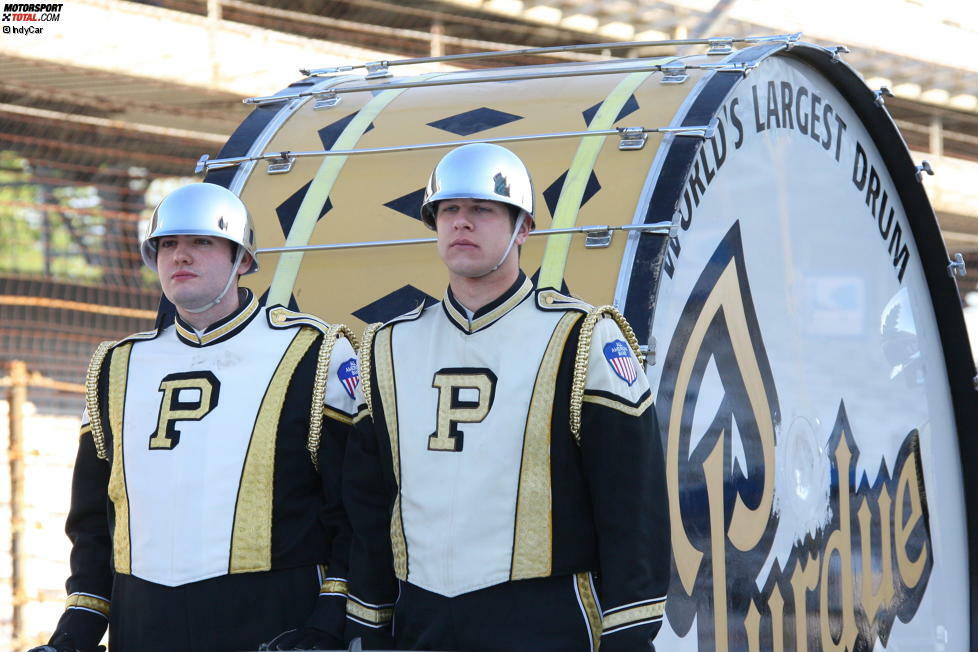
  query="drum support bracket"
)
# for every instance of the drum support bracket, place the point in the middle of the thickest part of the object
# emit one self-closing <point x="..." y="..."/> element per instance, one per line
<point x="648" y="350"/>
<point x="674" y="73"/>
<point x="598" y="238"/>
<point x="282" y="164"/>
<point x="722" y="45"/>
<point x="630" y="138"/>
<point x="956" y="267"/>
<point x="327" y="101"/>
<point x="378" y="70"/>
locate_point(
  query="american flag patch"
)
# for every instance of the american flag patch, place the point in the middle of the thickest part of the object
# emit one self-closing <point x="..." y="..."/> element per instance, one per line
<point x="349" y="375"/>
<point x="619" y="356"/>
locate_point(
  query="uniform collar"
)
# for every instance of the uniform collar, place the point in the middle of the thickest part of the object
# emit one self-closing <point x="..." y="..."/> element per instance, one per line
<point x="222" y="329"/>
<point x="490" y="313"/>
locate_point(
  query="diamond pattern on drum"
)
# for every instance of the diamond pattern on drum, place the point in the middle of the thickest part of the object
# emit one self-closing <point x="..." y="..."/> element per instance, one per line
<point x="396" y="303"/>
<point x="287" y="210"/>
<point x="474" y="121"/>
<point x="552" y="194"/>
<point x="331" y="132"/>
<point x="631" y="106"/>
<point x="409" y="204"/>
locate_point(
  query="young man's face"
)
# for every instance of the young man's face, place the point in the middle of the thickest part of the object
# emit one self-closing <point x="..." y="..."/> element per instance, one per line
<point x="473" y="234"/>
<point x="193" y="269"/>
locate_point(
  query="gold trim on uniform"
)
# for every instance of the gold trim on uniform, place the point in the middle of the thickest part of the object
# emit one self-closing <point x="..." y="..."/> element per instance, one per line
<point x="493" y="315"/>
<point x="362" y="414"/>
<point x="584" y="355"/>
<point x="630" y="410"/>
<point x="88" y="601"/>
<point x="333" y="586"/>
<point x="336" y="415"/>
<point x="85" y="429"/>
<point x="388" y="395"/>
<point x="372" y="615"/>
<point x="191" y="336"/>
<point x="533" y="531"/>
<point x="364" y="360"/>
<point x="643" y="612"/>
<point x="251" y="538"/>
<point x="91" y="397"/>
<point x="589" y="603"/>
<point x="118" y="493"/>
<point x="318" y="409"/>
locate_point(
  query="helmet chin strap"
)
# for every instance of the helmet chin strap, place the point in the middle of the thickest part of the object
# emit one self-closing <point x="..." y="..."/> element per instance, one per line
<point x="512" y="239"/>
<point x="227" y="286"/>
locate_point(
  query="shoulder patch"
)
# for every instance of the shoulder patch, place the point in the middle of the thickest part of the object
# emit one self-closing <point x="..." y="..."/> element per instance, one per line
<point x="550" y="299"/>
<point x="279" y="317"/>
<point x="619" y="356"/>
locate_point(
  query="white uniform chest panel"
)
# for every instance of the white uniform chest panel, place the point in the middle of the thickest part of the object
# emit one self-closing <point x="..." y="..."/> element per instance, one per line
<point x="183" y="488"/>
<point x="458" y="506"/>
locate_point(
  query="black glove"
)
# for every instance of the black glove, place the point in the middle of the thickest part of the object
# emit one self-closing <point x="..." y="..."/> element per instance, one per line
<point x="63" y="643"/>
<point x="303" y="638"/>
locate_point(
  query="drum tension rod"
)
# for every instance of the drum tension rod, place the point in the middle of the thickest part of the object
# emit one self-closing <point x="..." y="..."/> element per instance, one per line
<point x="881" y="95"/>
<point x="837" y="51"/>
<point x="923" y="168"/>
<point x="956" y="267"/>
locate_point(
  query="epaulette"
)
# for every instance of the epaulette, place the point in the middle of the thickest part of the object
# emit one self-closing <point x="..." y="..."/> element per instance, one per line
<point x="550" y="299"/>
<point x="279" y="317"/>
<point x="91" y="387"/>
<point x="584" y="354"/>
<point x="411" y="315"/>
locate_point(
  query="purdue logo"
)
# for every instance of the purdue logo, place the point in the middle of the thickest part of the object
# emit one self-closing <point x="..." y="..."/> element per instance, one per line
<point x="453" y="410"/>
<point x="841" y="587"/>
<point x="187" y="396"/>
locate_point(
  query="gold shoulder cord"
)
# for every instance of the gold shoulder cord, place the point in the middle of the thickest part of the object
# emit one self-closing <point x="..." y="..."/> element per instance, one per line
<point x="584" y="354"/>
<point x="319" y="386"/>
<point x="364" y="359"/>
<point x="91" y="397"/>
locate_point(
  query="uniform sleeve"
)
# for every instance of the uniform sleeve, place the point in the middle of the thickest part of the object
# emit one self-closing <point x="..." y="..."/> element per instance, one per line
<point x="368" y="493"/>
<point x="341" y="401"/>
<point x="623" y="460"/>
<point x="89" y="586"/>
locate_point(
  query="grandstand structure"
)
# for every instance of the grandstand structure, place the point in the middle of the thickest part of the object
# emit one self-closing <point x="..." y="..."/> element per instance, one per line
<point x="112" y="105"/>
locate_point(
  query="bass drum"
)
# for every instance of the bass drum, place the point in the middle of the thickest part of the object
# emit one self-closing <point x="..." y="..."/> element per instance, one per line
<point x="814" y="384"/>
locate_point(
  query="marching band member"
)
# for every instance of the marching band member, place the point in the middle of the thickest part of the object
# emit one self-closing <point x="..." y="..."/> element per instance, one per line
<point x="205" y="512"/>
<point x="509" y="491"/>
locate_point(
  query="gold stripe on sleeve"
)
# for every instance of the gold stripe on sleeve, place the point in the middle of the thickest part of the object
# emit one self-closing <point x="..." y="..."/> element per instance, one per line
<point x="633" y="615"/>
<point x="251" y="537"/>
<point x="533" y="532"/>
<point x="86" y="601"/>
<point x="630" y="410"/>
<point x="118" y="376"/>
<point x="380" y="616"/>
<point x="333" y="586"/>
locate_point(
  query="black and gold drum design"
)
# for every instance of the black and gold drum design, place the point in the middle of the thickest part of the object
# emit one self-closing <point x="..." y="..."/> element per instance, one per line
<point x="756" y="215"/>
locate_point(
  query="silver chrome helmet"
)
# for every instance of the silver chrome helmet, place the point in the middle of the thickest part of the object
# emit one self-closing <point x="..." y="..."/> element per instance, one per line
<point x="479" y="171"/>
<point x="201" y="209"/>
